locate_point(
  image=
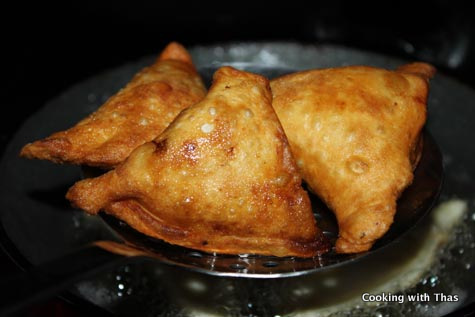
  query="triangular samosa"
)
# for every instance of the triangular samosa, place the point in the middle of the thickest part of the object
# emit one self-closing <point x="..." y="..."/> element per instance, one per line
<point x="355" y="133"/>
<point x="136" y="114"/>
<point x="221" y="178"/>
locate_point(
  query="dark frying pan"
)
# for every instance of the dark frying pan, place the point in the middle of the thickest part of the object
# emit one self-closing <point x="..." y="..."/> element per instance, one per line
<point x="41" y="226"/>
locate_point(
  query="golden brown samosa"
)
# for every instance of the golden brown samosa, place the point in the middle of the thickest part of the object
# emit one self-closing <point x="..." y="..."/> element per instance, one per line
<point x="355" y="134"/>
<point x="220" y="178"/>
<point x="136" y="114"/>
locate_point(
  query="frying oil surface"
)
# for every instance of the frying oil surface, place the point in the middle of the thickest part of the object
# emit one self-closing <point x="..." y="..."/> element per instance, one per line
<point x="442" y="262"/>
<point x="452" y="254"/>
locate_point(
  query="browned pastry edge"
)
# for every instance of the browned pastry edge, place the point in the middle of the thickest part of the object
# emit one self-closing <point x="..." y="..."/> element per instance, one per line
<point x="419" y="69"/>
<point x="143" y="221"/>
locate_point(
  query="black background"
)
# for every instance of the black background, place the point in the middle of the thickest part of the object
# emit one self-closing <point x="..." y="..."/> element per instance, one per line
<point x="47" y="48"/>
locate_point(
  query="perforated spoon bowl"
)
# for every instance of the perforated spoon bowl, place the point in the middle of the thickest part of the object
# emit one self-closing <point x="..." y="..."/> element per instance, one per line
<point x="49" y="278"/>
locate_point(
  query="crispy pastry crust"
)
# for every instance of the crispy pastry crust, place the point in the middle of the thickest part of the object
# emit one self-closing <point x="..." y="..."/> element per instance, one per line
<point x="221" y="178"/>
<point x="355" y="134"/>
<point x="135" y="115"/>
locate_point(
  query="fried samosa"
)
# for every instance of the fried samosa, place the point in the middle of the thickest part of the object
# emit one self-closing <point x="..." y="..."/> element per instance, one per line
<point x="355" y="133"/>
<point x="220" y="178"/>
<point x="136" y="114"/>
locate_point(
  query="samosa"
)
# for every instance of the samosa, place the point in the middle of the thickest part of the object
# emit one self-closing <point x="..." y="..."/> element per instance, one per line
<point x="135" y="115"/>
<point x="221" y="178"/>
<point x="355" y="133"/>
